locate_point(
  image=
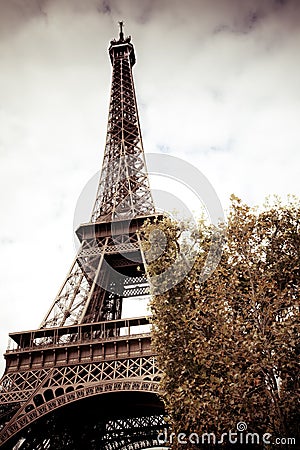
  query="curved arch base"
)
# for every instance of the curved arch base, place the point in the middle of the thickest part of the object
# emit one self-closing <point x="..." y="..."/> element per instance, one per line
<point x="111" y="421"/>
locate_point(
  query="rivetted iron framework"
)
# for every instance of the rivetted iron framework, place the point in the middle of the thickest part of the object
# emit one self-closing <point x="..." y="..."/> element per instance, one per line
<point x="88" y="377"/>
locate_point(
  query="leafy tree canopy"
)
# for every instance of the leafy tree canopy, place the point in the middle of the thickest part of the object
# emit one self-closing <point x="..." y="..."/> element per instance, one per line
<point x="229" y="344"/>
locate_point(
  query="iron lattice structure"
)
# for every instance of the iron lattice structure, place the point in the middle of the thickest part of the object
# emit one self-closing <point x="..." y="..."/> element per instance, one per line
<point x="88" y="377"/>
<point x="124" y="190"/>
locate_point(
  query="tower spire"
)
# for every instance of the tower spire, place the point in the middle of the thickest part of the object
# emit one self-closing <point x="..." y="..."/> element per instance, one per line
<point x="121" y="35"/>
<point x="124" y="190"/>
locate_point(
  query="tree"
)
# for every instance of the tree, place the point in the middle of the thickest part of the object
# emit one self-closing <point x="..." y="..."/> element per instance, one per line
<point x="229" y="345"/>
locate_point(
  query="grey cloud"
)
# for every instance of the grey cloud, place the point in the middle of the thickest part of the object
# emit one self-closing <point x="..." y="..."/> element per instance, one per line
<point x="233" y="14"/>
<point x="104" y="7"/>
<point x="14" y="14"/>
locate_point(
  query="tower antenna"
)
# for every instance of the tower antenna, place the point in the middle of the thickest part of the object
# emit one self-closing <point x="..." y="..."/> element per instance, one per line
<point x="121" y="24"/>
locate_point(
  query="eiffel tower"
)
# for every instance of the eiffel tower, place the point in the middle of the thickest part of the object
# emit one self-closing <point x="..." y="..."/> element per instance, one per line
<point x="87" y="378"/>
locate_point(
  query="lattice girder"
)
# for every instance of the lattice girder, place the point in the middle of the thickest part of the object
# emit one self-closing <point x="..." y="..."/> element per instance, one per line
<point x="124" y="189"/>
<point x="18" y="386"/>
<point x="84" y="424"/>
<point x="67" y="384"/>
<point x="81" y="299"/>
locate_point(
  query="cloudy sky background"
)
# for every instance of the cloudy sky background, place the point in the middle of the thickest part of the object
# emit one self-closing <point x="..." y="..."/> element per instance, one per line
<point x="217" y="85"/>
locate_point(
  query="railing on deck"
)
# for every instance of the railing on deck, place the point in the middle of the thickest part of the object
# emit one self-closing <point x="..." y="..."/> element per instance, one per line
<point x="76" y="334"/>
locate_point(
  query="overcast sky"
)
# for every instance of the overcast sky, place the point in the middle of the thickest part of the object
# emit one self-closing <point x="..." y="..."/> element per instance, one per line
<point x="217" y="85"/>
